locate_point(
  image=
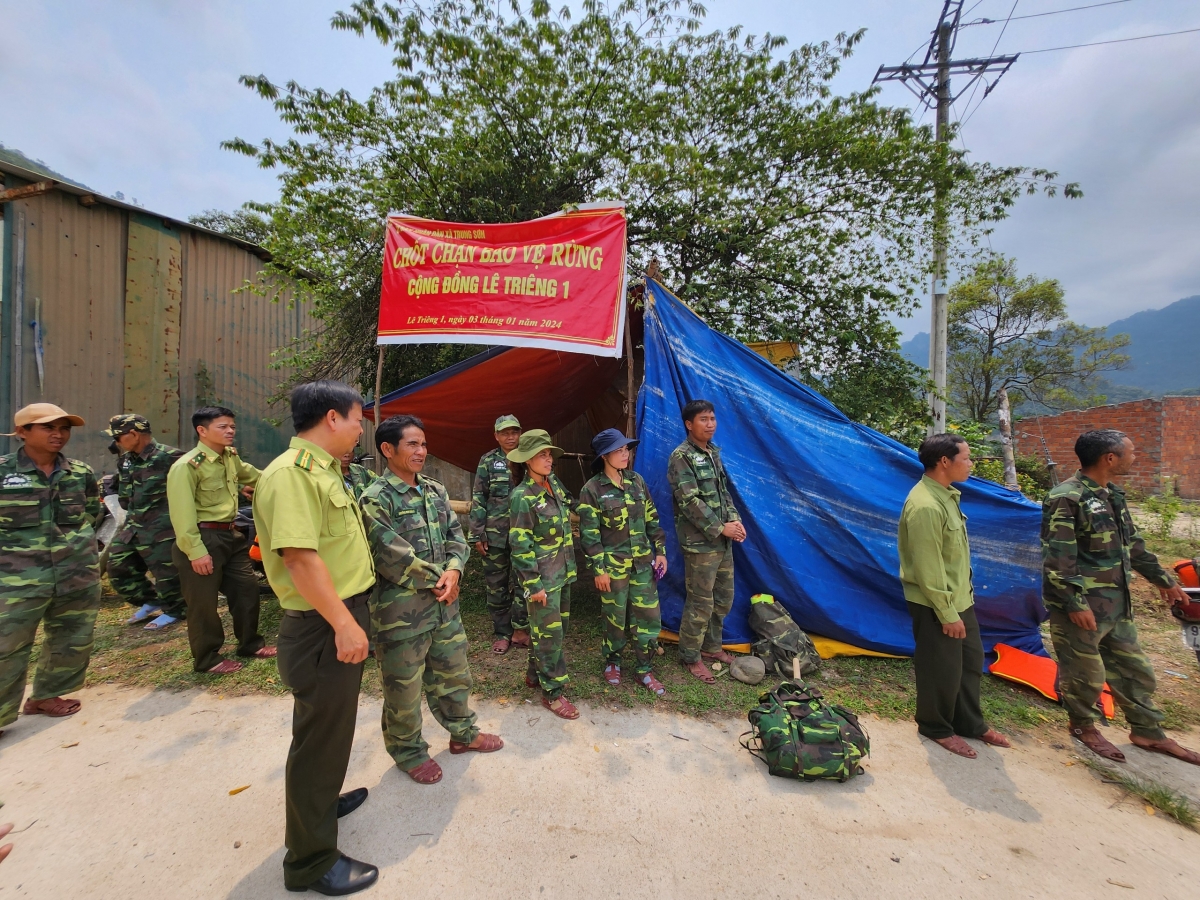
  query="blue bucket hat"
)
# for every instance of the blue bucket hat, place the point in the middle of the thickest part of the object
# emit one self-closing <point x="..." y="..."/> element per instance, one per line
<point x="606" y="442"/>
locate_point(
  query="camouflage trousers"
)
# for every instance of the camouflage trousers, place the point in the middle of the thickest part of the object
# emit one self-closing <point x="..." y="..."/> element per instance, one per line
<point x="1086" y="659"/>
<point x="709" y="580"/>
<point x="433" y="663"/>
<point x="68" y="626"/>
<point x="129" y="561"/>
<point x="547" y="625"/>
<point x="631" y="604"/>
<point x="504" y="604"/>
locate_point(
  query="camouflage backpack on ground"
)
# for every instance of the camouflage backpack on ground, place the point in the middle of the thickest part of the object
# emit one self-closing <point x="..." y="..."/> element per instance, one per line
<point x="780" y="639"/>
<point x="798" y="735"/>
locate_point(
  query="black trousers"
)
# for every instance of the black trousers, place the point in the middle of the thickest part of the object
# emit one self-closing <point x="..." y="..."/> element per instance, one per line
<point x="233" y="576"/>
<point x="325" y="694"/>
<point x="948" y="672"/>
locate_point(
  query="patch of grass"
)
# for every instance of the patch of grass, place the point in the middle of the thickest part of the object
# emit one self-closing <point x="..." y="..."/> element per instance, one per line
<point x="1158" y="795"/>
<point x="1180" y="716"/>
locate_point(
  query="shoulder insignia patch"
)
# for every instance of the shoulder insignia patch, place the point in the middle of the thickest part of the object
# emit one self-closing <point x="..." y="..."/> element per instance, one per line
<point x="195" y="460"/>
<point x="232" y="451"/>
<point x="304" y="460"/>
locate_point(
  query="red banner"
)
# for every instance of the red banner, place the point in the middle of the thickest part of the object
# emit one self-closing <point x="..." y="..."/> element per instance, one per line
<point x="555" y="283"/>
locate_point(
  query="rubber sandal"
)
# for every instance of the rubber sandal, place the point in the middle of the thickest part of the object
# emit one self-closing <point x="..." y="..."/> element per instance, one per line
<point x="500" y="645"/>
<point x="720" y="656"/>
<point x="700" y="670"/>
<point x="1168" y="747"/>
<point x="562" y="707"/>
<point x="265" y="653"/>
<point x="225" y="667"/>
<point x="488" y="743"/>
<point x="993" y="738"/>
<point x="146" y="611"/>
<point x="54" y="707"/>
<point x="428" y="772"/>
<point x="163" y="621"/>
<point x="532" y="681"/>
<point x="652" y="684"/>
<point x="1097" y="743"/>
<point x="612" y="674"/>
<point x="520" y="638"/>
<point x="956" y="745"/>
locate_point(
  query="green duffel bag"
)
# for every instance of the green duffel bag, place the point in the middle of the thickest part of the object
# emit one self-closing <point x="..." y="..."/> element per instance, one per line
<point x="781" y="640"/>
<point x="798" y="735"/>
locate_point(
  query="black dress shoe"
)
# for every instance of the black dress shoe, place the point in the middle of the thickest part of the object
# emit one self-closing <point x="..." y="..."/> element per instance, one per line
<point x="348" y="876"/>
<point x="350" y="801"/>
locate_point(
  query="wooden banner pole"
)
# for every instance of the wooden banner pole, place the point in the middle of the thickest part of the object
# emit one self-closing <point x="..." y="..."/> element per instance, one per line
<point x="378" y="389"/>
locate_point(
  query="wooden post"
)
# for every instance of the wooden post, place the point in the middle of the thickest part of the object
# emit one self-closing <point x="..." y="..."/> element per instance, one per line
<point x="1006" y="447"/>
<point x="378" y="390"/>
<point x="630" y="398"/>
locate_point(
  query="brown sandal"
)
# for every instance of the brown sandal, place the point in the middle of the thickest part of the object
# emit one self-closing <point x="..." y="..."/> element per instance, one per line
<point x="956" y="745"/>
<point x="428" y="772"/>
<point x="562" y="707"/>
<point x="225" y="667"/>
<point x="612" y="674"/>
<point x="55" y="707"/>
<point x="532" y="681"/>
<point x="500" y="645"/>
<point x="1097" y="743"/>
<point x="521" y="639"/>
<point x="720" y="656"/>
<point x="993" y="738"/>
<point x="1168" y="747"/>
<point x="488" y="743"/>
<point x="265" y="653"/>
<point x="652" y="684"/>
<point x="700" y="670"/>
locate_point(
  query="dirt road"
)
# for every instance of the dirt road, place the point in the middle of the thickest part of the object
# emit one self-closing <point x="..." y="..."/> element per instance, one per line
<point x="130" y="799"/>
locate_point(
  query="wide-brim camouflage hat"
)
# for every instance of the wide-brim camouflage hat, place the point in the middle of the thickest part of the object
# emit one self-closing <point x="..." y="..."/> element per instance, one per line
<point x="508" y="421"/>
<point x="127" y="422"/>
<point x="43" y="414"/>
<point x="532" y="443"/>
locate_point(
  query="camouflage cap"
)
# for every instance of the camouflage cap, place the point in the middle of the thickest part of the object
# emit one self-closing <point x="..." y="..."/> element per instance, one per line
<point x="532" y="443"/>
<point x="127" y="422"/>
<point x="507" y="421"/>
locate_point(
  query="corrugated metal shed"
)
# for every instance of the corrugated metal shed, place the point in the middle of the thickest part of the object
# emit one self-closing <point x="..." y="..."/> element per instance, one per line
<point x="155" y="325"/>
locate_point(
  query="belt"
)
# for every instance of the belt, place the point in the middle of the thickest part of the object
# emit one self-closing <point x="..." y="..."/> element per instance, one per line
<point x="217" y="526"/>
<point x="351" y="603"/>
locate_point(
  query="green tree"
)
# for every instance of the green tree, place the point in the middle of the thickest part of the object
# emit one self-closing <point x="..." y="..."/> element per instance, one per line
<point x="777" y="209"/>
<point x="1012" y="332"/>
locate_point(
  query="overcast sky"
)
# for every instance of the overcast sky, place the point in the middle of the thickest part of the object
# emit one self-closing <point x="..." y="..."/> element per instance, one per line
<point x="136" y="95"/>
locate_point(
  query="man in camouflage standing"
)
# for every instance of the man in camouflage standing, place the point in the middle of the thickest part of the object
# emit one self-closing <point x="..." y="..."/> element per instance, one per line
<point x="50" y="567"/>
<point x="144" y="544"/>
<point x="419" y="551"/>
<point x="489" y="533"/>
<point x="356" y="475"/>
<point x="706" y="524"/>
<point x="1090" y="550"/>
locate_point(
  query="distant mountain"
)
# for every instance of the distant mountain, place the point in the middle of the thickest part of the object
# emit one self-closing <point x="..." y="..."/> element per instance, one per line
<point x="1163" y="349"/>
<point x="916" y="349"/>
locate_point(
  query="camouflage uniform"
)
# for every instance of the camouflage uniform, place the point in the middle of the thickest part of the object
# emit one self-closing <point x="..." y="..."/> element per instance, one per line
<point x="702" y="505"/>
<point x="489" y="522"/>
<point x="543" y="558"/>
<point x="620" y="536"/>
<point x="419" y="642"/>
<point x="49" y="573"/>
<point x="144" y="544"/>
<point x="358" y="479"/>
<point x="1090" y="549"/>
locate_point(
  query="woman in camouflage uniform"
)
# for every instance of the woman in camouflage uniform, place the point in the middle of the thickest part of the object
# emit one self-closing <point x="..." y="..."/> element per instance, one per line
<point x="543" y="558"/>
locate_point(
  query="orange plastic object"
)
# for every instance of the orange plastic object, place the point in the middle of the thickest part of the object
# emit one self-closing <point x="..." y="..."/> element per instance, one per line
<point x="255" y="551"/>
<point x="1039" y="673"/>
<point x="1186" y="570"/>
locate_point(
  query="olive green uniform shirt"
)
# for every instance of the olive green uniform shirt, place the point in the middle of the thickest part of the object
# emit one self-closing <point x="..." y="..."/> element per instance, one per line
<point x="202" y="486"/>
<point x="935" y="558"/>
<point x="302" y="502"/>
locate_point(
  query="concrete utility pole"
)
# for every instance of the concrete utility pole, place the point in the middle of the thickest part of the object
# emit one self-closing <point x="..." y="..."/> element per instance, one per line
<point x="930" y="82"/>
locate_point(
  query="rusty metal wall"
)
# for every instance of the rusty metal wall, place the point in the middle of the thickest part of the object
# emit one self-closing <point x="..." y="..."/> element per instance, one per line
<point x="74" y="276"/>
<point x="229" y="334"/>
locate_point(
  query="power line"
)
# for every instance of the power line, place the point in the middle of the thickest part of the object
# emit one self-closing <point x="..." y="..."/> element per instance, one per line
<point x="1143" y="37"/>
<point x="975" y="86"/>
<point x="1053" y="12"/>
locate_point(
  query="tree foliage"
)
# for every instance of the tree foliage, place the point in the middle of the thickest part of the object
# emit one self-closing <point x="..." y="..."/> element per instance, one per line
<point x="777" y="210"/>
<point x="1012" y="332"/>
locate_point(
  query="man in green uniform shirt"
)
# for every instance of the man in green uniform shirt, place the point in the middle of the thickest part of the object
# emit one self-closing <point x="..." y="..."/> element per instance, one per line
<point x="489" y="532"/>
<point x="1090" y="550"/>
<point x="144" y="545"/>
<point x="419" y="551"/>
<point x="935" y="572"/>
<point x="210" y="553"/>
<point x="706" y="525"/>
<point x="318" y="562"/>
<point x="50" y="567"/>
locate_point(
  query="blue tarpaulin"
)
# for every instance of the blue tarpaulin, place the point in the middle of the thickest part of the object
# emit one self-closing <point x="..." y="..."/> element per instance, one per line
<point x="820" y="497"/>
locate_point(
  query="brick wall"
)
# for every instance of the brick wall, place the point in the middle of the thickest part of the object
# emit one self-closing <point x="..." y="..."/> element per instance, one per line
<point x="1165" y="433"/>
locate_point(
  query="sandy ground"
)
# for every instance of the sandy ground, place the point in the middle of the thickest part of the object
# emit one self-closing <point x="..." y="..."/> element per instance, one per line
<point x="130" y="799"/>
